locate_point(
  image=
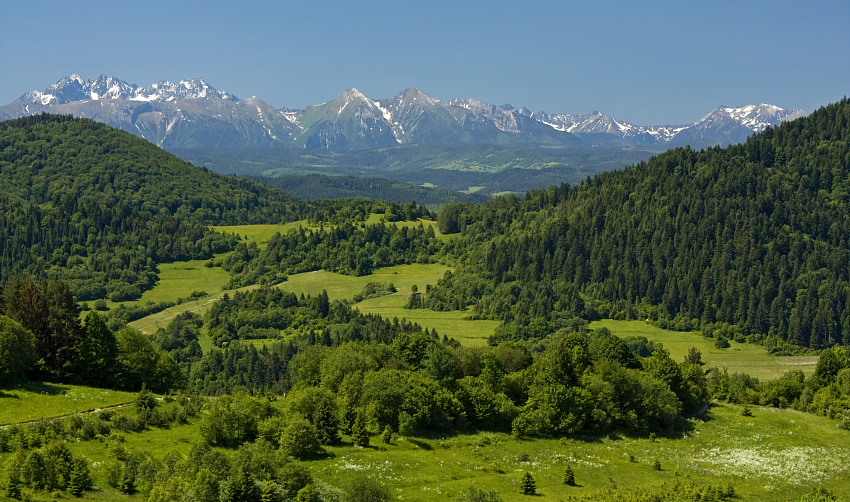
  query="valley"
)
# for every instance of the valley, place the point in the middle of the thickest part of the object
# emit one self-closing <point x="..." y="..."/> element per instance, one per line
<point x="669" y="331"/>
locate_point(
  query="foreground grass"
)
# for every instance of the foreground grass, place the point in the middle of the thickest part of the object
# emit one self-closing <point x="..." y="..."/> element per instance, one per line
<point x="740" y="357"/>
<point x="34" y="401"/>
<point x="776" y="455"/>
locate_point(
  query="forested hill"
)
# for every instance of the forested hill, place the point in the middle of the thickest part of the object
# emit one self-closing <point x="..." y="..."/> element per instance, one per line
<point x="99" y="207"/>
<point x="748" y="240"/>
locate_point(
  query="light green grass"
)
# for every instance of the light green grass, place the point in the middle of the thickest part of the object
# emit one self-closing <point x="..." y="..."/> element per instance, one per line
<point x="740" y="357"/>
<point x="179" y="280"/>
<point x="375" y="219"/>
<point x="35" y="401"/>
<point x="161" y="319"/>
<point x="261" y="234"/>
<point x="471" y="333"/>
<point x="338" y="286"/>
<point x="777" y="455"/>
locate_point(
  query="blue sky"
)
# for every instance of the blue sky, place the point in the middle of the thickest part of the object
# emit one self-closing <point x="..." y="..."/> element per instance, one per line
<point x="659" y="62"/>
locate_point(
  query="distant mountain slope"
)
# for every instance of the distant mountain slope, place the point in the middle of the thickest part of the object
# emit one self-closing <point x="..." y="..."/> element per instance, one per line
<point x="316" y="186"/>
<point x="754" y="236"/>
<point x="100" y="207"/>
<point x="193" y="114"/>
<point x="492" y="169"/>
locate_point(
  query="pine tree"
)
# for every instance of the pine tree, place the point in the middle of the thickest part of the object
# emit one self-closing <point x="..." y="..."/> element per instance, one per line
<point x="529" y="487"/>
<point x="359" y="434"/>
<point x="270" y="492"/>
<point x="569" y="476"/>
<point x="80" y="479"/>
<point x="128" y="482"/>
<point x="387" y="435"/>
<point x="14" y="489"/>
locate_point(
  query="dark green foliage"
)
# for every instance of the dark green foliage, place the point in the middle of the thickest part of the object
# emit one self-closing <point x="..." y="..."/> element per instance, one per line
<point x="97" y="352"/>
<point x="359" y="434"/>
<point x="241" y="489"/>
<point x="374" y="290"/>
<point x="270" y="492"/>
<point x="387" y="435"/>
<point x="293" y="478"/>
<point x="233" y="420"/>
<point x="473" y="494"/>
<point x="344" y="248"/>
<point x="63" y="177"/>
<point x="569" y="476"/>
<point x="81" y="479"/>
<point x="752" y="235"/>
<point x="142" y="363"/>
<point x="364" y="489"/>
<point x="17" y="351"/>
<point x="299" y="438"/>
<point x="528" y="485"/>
<point x="316" y="186"/>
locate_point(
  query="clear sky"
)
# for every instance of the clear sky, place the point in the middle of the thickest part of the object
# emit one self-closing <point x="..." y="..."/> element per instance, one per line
<point x="647" y="62"/>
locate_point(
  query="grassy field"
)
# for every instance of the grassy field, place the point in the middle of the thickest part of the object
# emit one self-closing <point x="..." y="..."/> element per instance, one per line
<point x="261" y="234"/>
<point x="740" y="357"/>
<point x="35" y="401"/>
<point x="776" y="455"/>
<point x="161" y="319"/>
<point x="338" y="286"/>
<point x="452" y="324"/>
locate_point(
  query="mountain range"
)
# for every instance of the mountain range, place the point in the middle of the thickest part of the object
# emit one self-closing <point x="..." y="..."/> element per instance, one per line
<point x="193" y="114"/>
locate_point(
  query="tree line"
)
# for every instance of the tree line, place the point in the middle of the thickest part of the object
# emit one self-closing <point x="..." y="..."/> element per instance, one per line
<point x="753" y="235"/>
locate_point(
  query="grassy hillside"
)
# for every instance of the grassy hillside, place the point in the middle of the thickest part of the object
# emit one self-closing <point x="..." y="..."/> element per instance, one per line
<point x="36" y="401"/>
<point x="739" y="357"/>
<point x="777" y="455"/>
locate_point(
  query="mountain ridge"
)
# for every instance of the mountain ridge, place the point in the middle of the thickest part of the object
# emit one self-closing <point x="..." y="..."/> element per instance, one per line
<point x="192" y="113"/>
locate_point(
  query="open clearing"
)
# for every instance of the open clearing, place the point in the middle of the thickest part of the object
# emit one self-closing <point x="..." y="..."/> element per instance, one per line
<point x="740" y="357"/>
<point x="35" y="401"/>
<point x="403" y="277"/>
<point x="261" y="234"/>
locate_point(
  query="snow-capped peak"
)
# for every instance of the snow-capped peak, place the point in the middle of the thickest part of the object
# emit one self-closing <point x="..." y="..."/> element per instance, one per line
<point x="753" y="117"/>
<point x="74" y="88"/>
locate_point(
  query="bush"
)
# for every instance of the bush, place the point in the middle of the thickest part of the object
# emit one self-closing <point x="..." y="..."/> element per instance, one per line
<point x="299" y="438"/>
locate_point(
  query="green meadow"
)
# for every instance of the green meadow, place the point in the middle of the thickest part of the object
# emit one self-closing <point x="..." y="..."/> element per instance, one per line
<point x="453" y="324"/>
<point x="262" y="234"/>
<point x="739" y="357"/>
<point x="34" y="401"/>
<point x="776" y="455"/>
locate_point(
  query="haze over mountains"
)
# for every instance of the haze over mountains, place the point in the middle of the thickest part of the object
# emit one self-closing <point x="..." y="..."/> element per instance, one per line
<point x="193" y="114"/>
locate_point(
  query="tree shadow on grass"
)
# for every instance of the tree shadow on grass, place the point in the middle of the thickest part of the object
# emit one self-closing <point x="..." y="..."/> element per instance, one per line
<point x="46" y="388"/>
<point x="420" y="444"/>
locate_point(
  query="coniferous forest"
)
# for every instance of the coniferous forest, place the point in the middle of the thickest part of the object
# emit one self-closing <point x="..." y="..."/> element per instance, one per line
<point x="748" y="243"/>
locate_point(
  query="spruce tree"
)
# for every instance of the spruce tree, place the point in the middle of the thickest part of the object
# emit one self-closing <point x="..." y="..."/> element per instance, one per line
<point x="529" y="487"/>
<point x="569" y="476"/>
<point x="270" y="492"/>
<point x="80" y="479"/>
<point x="359" y="434"/>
